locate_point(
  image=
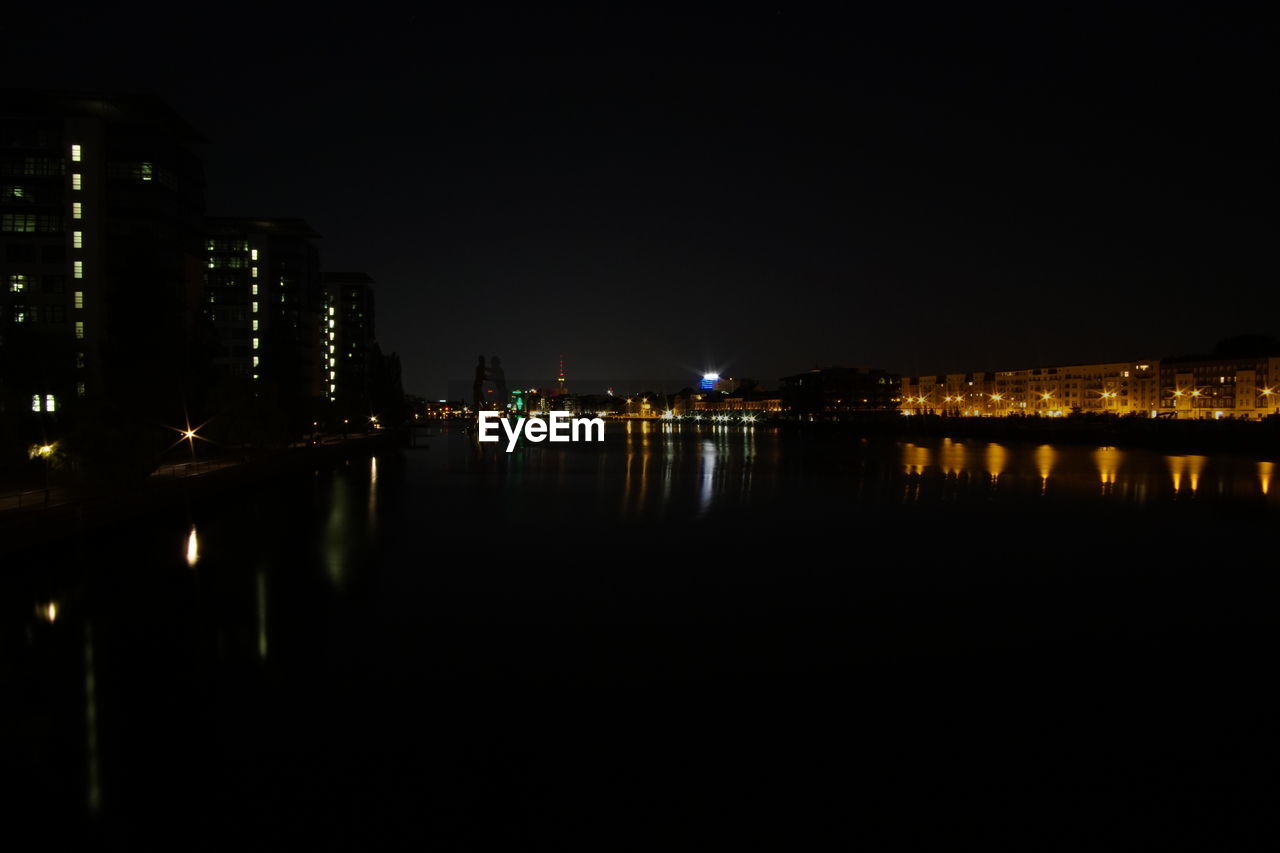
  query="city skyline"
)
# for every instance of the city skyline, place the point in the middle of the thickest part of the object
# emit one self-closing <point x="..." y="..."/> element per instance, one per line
<point x="765" y="193"/>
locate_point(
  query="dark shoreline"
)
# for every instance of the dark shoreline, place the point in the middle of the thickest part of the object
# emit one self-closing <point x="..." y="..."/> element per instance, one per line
<point x="22" y="529"/>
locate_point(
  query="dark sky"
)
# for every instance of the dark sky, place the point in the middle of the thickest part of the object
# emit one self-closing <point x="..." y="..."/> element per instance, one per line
<point x="758" y="190"/>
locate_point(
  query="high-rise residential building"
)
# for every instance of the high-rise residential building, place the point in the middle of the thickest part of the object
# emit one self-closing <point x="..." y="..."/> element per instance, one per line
<point x="349" y="356"/>
<point x="263" y="294"/>
<point x="101" y="206"/>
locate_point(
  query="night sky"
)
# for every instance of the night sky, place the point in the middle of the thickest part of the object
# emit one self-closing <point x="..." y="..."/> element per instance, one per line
<point x="654" y="194"/>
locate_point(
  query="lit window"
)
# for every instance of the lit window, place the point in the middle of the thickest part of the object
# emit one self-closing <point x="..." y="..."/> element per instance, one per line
<point x="330" y="324"/>
<point x="78" y="268"/>
<point x="77" y="210"/>
<point x="255" y="324"/>
<point x="254" y="290"/>
<point x="330" y="310"/>
<point x="75" y="153"/>
<point x="253" y="254"/>
<point x="17" y="283"/>
<point x="145" y="171"/>
<point x="77" y="239"/>
<point x="255" y="343"/>
<point x="80" y="389"/>
<point x="76" y="183"/>
<point x="254" y="271"/>
<point x="255" y="308"/>
<point x="35" y="403"/>
<point x="79" y="330"/>
<point x="50" y="403"/>
<point x="79" y="298"/>
<point x="332" y="375"/>
<point x="255" y="362"/>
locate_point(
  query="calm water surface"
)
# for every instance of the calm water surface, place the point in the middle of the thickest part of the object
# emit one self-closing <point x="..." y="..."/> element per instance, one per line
<point x="689" y="631"/>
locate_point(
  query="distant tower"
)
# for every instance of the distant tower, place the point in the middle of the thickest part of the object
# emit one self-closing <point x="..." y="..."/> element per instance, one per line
<point x="560" y="386"/>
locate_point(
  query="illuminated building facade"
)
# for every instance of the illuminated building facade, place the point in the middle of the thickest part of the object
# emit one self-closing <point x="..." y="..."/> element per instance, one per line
<point x="1223" y="385"/>
<point x="1121" y="388"/>
<point x="347" y="337"/>
<point x="264" y="296"/>
<point x="1220" y="386"/>
<point x="101" y="202"/>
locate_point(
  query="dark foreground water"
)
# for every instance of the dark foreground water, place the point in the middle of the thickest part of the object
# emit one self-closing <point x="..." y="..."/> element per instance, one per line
<point x="691" y="636"/>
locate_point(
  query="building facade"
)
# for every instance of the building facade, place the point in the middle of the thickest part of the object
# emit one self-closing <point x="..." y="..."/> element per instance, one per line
<point x="837" y="390"/>
<point x="1119" y="388"/>
<point x="101" y="204"/>
<point x="349" y="338"/>
<point x="264" y="297"/>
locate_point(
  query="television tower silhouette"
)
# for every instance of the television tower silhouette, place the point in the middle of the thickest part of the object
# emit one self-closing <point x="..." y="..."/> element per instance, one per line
<point x="560" y="386"/>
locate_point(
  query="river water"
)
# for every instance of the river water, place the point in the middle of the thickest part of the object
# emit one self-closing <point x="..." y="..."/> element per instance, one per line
<point x="689" y="633"/>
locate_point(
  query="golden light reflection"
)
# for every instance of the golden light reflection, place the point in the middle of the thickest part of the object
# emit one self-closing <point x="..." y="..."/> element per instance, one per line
<point x="1188" y="467"/>
<point x="193" y="547"/>
<point x="1108" y="461"/>
<point x="1265" y="469"/>
<point x="1046" y="458"/>
<point x="996" y="459"/>
<point x="914" y="458"/>
<point x="953" y="457"/>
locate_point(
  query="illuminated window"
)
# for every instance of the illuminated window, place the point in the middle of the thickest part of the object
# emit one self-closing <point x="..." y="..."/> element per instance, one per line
<point x="332" y="375"/>
<point x="77" y="210"/>
<point x="77" y="269"/>
<point x="79" y="330"/>
<point x="77" y="239"/>
<point x="330" y="324"/>
<point x="79" y="298"/>
<point x="255" y="361"/>
<point x="255" y="324"/>
<point x="254" y="290"/>
<point x="253" y="254"/>
<point x="75" y="181"/>
<point x="35" y="403"/>
<point x="145" y="171"/>
<point x="19" y="314"/>
<point x="50" y="403"/>
<point x="80" y="389"/>
<point x="17" y="283"/>
<point x="254" y="272"/>
<point x="255" y="308"/>
<point x="75" y="153"/>
<point x="255" y="343"/>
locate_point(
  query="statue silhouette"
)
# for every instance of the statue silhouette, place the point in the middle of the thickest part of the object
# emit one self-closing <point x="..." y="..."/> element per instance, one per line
<point x="499" y="377"/>
<point x="477" y="385"/>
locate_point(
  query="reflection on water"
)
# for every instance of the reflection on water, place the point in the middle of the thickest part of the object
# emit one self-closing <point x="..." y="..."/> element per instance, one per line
<point x="997" y="458"/>
<point x="262" y="614"/>
<point x="266" y="563"/>
<point x="1046" y="457"/>
<point x="1188" y="468"/>
<point x="94" y="784"/>
<point x="1108" y="459"/>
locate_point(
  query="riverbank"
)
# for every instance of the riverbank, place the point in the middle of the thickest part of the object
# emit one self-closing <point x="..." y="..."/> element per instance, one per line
<point x="41" y="523"/>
